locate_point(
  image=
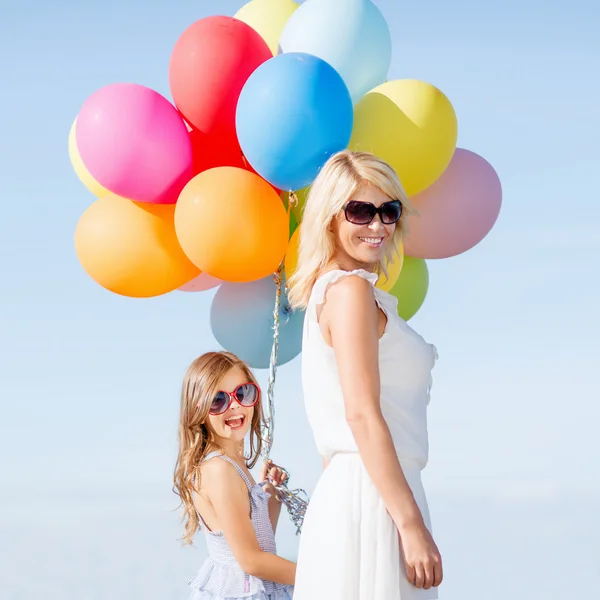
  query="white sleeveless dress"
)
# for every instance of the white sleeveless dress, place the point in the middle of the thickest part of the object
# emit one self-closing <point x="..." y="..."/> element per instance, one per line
<point x="349" y="548"/>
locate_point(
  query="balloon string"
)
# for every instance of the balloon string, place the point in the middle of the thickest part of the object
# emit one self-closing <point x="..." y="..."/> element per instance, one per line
<point x="269" y="424"/>
<point x="296" y="501"/>
<point x="269" y="419"/>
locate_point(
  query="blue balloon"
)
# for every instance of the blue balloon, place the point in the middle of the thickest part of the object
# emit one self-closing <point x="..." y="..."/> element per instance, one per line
<point x="241" y="319"/>
<point x="351" y="35"/>
<point x="294" y="112"/>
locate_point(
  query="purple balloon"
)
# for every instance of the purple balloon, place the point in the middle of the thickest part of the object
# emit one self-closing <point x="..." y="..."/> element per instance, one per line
<point x="457" y="211"/>
<point x="134" y="143"/>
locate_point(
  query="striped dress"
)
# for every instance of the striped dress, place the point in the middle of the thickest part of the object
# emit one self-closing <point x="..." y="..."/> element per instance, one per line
<point x="220" y="577"/>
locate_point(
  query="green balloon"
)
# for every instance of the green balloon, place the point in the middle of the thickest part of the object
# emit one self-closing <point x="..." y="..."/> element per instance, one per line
<point x="293" y="224"/>
<point x="411" y="287"/>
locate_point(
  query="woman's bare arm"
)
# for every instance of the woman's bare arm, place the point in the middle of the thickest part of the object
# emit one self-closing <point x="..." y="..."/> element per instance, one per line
<point x="350" y="317"/>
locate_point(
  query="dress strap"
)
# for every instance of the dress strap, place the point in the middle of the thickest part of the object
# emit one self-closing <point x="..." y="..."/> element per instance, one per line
<point x="236" y="466"/>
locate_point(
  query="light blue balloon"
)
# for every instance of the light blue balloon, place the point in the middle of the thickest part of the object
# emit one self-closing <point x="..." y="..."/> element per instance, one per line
<point x="351" y="35"/>
<point x="294" y="112"/>
<point x="241" y="319"/>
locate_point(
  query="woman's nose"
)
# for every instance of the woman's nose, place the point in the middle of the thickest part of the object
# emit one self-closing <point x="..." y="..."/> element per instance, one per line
<point x="376" y="224"/>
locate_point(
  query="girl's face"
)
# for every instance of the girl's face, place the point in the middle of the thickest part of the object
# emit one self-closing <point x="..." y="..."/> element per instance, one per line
<point x="235" y="422"/>
<point x="360" y="246"/>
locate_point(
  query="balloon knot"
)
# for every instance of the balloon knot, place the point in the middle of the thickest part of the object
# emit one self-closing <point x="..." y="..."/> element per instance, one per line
<point x="293" y="199"/>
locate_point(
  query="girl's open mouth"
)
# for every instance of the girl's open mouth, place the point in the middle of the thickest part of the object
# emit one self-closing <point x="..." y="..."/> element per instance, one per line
<point x="236" y="422"/>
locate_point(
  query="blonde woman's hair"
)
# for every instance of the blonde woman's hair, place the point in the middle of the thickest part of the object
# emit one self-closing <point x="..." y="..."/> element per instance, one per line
<point x="339" y="180"/>
<point x="200" y="385"/>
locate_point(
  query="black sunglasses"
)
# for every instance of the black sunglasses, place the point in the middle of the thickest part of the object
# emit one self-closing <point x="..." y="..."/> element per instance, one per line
<point x="362" y="213"/>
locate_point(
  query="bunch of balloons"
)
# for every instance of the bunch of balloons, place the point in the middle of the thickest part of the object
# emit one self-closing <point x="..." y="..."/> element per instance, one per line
<point x="193" y="194"/>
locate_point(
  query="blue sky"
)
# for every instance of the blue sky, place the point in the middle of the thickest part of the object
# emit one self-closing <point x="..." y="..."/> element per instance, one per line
<point x="90" y="381"/>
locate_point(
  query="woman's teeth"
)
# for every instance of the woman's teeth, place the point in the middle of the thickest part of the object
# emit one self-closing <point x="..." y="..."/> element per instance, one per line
<point x="372" y="241"/>
<point x="235" y="422"/>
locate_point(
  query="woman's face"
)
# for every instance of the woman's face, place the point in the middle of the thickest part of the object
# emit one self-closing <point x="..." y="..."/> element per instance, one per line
<point x="235" y="422"/>
<point x="362" y="246"/>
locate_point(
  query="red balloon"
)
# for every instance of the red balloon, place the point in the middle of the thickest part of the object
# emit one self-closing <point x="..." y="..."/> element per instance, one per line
<point x="209" y="65"/>
<point x="209" y="152"/>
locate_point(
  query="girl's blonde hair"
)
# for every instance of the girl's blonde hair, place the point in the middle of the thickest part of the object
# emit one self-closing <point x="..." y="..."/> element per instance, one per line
<point x="200" y="385"/>
<point x="339" y="180"/>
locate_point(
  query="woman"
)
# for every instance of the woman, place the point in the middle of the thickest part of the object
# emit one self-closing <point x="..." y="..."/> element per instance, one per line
<point x="366" y="378"/>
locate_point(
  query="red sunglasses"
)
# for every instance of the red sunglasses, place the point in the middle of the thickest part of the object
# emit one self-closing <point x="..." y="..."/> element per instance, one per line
<point x="246" y="395"/>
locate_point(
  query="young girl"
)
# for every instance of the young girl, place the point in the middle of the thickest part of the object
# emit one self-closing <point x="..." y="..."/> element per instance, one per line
<point x="220" y="405"/>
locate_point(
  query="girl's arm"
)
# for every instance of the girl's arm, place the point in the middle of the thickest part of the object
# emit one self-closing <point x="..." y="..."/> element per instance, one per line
<point x="277" y="476"/>
<point x="350" y="318"/>
<point x="229" y="498"/>
<point x="274" y="511"/>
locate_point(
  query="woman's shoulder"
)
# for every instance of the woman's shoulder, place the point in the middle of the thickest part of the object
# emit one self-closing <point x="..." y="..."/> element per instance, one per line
<point x="345" y="283"/>
<point x="333" y="275"/>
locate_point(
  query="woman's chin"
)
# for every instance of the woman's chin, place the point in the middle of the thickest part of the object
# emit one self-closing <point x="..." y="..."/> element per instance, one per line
<point x="369" y="257"/>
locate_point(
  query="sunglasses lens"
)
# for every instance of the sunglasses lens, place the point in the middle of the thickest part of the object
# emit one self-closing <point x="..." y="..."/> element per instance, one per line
<point x="247" y="394"/>
<point x="360" y="213"/>
<point x="391" y="212"/>
<point x="219" y="404"/>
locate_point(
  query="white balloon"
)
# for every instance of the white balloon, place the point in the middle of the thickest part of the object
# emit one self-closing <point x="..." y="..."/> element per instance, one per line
<point x="351" y="35"/>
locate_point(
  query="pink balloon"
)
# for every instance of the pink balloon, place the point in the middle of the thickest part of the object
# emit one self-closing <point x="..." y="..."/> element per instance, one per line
<point x="457" y="211"/>
<point x="203" y="282"/>
<point x="134" y="142"/>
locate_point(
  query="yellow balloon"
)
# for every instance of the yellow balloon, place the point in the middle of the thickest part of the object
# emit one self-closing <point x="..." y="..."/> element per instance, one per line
<point x="386" y="284"/>
<point x="81" y="170"/>
<point x="291" y="256"/>
<point x="411" y="125"/>
<point x="268" y="18"/>
<point x="393" y="271"/>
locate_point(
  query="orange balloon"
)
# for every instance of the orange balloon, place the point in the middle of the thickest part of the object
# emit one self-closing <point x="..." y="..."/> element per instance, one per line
<point x="232" y="224"/>
<point x="130" y="248"/>
<point x="383" y="283"/>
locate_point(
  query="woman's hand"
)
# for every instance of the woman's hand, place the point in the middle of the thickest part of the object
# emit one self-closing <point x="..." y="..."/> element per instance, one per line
<point x="421" y="557"/>
<point x="273" y="475"/>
